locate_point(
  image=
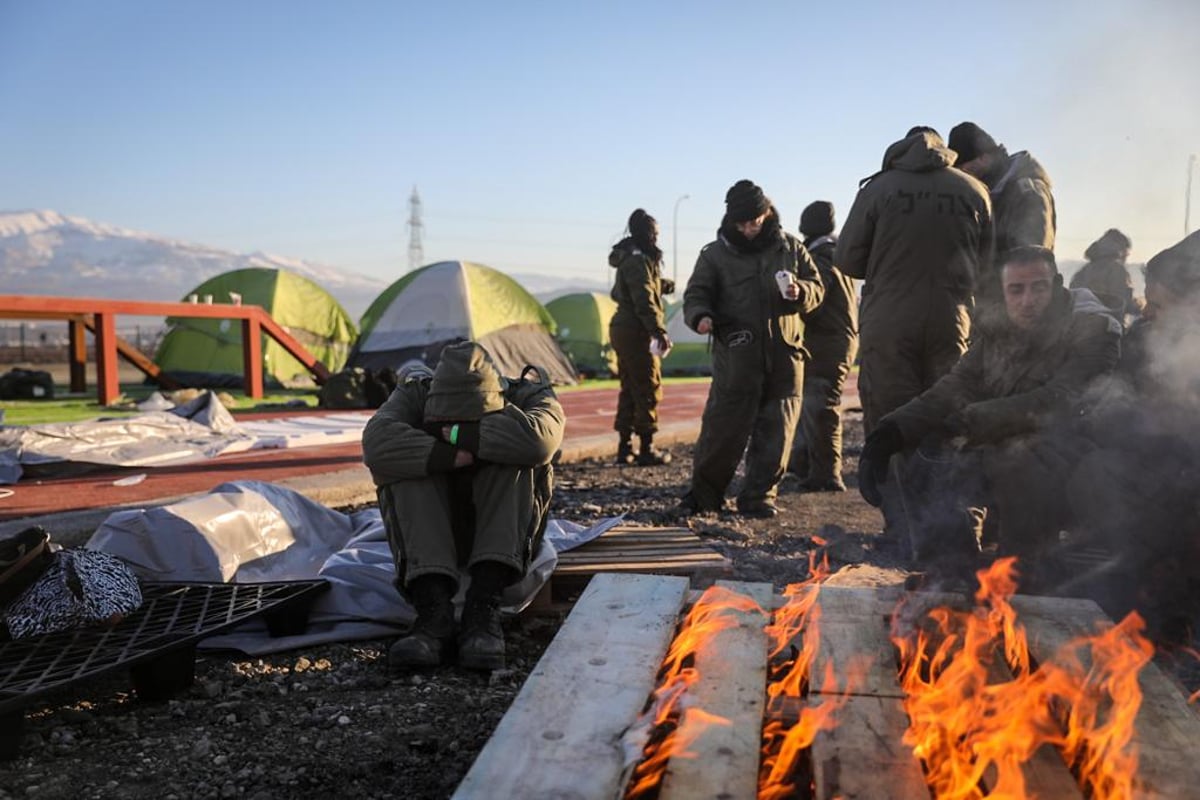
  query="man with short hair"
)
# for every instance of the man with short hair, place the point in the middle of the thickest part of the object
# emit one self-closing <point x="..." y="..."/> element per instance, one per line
<point x="993" y="429"/>
<point x="461" y="460"/>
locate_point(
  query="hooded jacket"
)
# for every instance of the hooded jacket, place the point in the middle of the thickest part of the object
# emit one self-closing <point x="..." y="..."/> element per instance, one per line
<point x="526" y="432"/>
<point x="830" y="329"/>
<point x="1023" y="205"/>
<point x="1012" y="382"/>
<point x="757" y="334"/>
<point x="637" y="289"/>
<point x="917" y="228"/>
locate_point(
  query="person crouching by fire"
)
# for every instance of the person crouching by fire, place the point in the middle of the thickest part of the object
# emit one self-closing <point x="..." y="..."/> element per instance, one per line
<point x="1135" y="495"/>
<point x="993" y="432"/>
<point x="461" y="460"/>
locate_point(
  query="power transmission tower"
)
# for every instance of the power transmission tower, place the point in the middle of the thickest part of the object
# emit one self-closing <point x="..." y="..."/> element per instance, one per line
<point x="416" y="252"/>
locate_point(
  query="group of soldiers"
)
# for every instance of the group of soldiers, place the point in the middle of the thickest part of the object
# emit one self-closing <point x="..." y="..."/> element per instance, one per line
<point x="1000" y="407"/>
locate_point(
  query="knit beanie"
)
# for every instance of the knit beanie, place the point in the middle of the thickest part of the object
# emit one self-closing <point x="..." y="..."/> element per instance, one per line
<point x="970" y="142"/>
<point x="1178" y="267"/>
<point x="744" y="201"/>
<point x="466" y="384"/>
<point x="1111" y="245"/>
<point x="817" y="219"/>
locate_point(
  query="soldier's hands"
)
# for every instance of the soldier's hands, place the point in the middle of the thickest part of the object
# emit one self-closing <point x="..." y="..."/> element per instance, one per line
<point x="704" y="326"/>
<point x="463" y="458"/>
<point x="667" y="285"/>
<point x="792" y="292"/>
<point x="883" y="442"/>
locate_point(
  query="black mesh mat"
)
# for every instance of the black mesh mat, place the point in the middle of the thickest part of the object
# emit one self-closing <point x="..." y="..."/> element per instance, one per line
<point x="157" y="641"/>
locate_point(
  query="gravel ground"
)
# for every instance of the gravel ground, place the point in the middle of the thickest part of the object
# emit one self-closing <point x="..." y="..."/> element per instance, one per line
<point x="330" y="720"/>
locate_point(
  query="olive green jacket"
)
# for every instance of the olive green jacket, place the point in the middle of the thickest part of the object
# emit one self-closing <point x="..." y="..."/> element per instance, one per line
<point x="637" y="290"/>
<point x="758" y="336"/>
<point x="832" y="329"/>
<point x="1024" y="205"/>
<point x="1011" y="383"/>
<point x="527" y="432"/>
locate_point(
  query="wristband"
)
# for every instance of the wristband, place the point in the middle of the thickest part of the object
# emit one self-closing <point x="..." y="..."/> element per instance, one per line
<point x="454" y="433"/>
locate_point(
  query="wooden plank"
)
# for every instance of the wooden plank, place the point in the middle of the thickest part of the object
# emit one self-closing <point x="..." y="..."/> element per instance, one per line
<point x="864" y="755"/>
<point x="863" y="758"/>
<point x="1167" y="730"/>
<point x="733" y="677"/>
<point x="562" y="736"/>
<point x="651" y="554"/>
<point x="685" y="564"/>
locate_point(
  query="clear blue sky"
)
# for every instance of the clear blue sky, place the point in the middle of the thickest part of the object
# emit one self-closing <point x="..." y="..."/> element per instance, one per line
<point x="533" y="129"/>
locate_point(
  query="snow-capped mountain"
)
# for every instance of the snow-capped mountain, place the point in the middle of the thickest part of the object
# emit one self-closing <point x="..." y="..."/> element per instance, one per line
<point x="43" y="252"/>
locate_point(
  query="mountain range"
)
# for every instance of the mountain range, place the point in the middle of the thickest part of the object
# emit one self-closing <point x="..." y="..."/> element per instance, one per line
<point x="44" y="252"/>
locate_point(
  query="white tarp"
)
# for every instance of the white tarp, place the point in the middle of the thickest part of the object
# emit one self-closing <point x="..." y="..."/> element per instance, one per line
<point x="250" y="531"/>
<point x="196" y="431"/>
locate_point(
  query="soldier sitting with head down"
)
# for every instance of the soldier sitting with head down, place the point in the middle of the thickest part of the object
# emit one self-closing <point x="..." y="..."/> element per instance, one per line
<point x="993" y="432"/>
<point x="461" y="460"/>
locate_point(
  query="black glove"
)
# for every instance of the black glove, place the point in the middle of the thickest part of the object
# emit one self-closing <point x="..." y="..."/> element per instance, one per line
<point x="956" y="425"/>
<point x="667" y="285"/>
<point x="883" y="442"/>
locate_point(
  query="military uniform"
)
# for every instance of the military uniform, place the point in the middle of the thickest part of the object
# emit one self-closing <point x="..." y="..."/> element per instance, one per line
<point x="637" y="291"/>
<point x="758" y="360"/>
<point x="831" y="339"/>
<point x="444" y="516"/>
<point x="918" y="234"/>
<point x="1010" y="402"/>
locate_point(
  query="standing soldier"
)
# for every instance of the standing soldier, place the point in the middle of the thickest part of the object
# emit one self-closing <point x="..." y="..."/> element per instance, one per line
<point x="831" y="339"/>
<point x="748" y="290"/>
<point x="1106" y="274"/>
<point x="636" y="325"/>
<point x="918" y="233"/>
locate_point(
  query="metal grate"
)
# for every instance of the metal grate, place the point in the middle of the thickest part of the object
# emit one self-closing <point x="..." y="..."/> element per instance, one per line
<point x="173" y="616"/>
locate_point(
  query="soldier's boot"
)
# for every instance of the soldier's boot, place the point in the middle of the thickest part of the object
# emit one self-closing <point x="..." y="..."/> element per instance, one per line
<point x="481" y="640"/>
<point x="648" y="456"/>
<point x="625" y="449"/>
<point x="429" y="642"/>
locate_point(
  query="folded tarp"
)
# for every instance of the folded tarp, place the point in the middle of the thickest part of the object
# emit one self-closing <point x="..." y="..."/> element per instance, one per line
<point x="251" y="531"/>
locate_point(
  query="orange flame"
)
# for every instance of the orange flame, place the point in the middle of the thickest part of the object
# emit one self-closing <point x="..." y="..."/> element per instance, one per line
<point x="974" y="727"/>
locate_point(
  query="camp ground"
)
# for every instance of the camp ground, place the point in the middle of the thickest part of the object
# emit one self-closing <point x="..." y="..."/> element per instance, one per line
<point x="449" y="301"/>
<point x="208" y="352"/>
<point x="582" y="319"/>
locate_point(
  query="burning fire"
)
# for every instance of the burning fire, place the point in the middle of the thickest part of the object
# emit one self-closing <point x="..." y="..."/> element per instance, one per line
<point x="978" y="712"/>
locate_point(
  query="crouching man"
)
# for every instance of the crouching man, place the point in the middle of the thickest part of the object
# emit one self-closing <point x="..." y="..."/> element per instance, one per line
<point x="998" y="430"/>
<point x="462" y="465"/>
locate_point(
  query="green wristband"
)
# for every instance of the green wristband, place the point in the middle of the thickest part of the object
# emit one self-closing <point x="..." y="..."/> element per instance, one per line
<point x="454" y="433"/>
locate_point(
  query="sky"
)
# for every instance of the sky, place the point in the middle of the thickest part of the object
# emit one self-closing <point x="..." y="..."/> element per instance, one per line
<point x="532" y="129"/>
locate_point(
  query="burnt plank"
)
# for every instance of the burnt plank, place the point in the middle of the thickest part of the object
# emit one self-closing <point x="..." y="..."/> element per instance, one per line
<point x="562" y="736"/>
<point x="733" y="675"/>
<point x="863" y="756"/>
<point x="1167" y="730"/>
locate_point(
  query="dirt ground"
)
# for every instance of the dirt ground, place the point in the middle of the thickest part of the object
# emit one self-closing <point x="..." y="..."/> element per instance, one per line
<point x="330" y="720"/>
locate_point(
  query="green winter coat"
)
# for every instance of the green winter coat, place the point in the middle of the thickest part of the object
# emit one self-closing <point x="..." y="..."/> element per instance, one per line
<point x="1011" y="383"/>
<point x="637" y="289"/>
<point x="1023" y="205"/>
<point x="527" y="432"/>
<point x="831" y="332"/>
<point x="758" y="336"/>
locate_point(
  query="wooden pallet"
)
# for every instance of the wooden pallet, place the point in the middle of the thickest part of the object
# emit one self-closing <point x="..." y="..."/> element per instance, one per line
<point x="563" y="735"/>
<point x="627" y="549"/>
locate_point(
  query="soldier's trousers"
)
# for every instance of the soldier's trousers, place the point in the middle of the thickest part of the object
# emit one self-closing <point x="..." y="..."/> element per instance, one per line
<point x="818" y="445"/>
<point x="641" y="381"/>
<point x="451" y="521"/>
<point x="752" y="422"/>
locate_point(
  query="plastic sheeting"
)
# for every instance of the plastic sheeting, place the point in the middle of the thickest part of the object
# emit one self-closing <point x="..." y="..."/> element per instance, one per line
<point x="250" y="531"/>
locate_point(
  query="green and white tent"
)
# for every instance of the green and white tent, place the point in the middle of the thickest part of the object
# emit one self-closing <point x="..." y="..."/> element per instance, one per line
<point x="453" y="301"/>
<point x="208" y="352"/>
<point x="582" y="319"/>
<point x="690" y="352"/>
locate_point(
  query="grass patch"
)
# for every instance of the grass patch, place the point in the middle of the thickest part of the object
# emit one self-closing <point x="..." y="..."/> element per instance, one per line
<point x="75" y="408"/>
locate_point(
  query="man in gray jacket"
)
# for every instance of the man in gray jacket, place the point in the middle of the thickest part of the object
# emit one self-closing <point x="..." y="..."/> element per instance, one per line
<point x="462" y="465"/>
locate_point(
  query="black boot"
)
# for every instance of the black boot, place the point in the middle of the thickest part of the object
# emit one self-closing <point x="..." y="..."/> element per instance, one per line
<point x="648" y="456"/>
<point x="429" y="642"/>
<point x="625" y="450"/>
<point x="481" y="641"/>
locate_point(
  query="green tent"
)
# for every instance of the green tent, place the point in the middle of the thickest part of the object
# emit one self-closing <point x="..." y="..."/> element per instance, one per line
<point x="452" y="301"/>
<point x="583" y="319"/>
<point x="208" y="352"/>
<point x="690" y="352"/>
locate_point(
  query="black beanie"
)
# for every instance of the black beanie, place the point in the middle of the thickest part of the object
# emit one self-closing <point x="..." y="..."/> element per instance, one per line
<point x="744" y="201"/>
<point x="817" y="219"/>
<point x="970" y="142"/>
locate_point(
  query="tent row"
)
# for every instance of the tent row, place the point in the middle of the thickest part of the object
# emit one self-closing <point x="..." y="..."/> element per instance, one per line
<point x="412" y="319"/>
